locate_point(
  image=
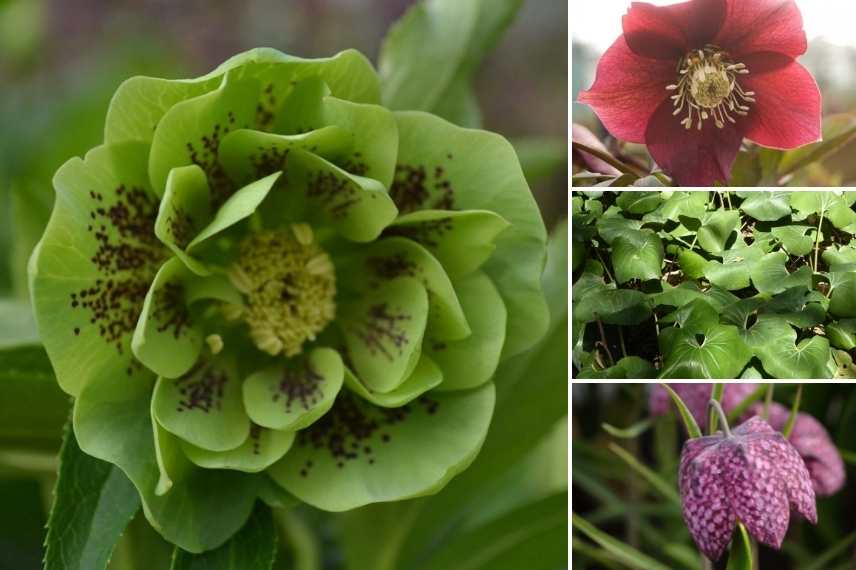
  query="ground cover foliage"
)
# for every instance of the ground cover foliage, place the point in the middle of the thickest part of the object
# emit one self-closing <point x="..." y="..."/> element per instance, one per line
<point x="714" y="284"/>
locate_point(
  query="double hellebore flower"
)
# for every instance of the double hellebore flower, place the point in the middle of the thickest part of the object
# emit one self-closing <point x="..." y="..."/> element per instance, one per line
<point x="691" y="80"/>
<point x="750" y="475"/>
<point x="266" y="284"/>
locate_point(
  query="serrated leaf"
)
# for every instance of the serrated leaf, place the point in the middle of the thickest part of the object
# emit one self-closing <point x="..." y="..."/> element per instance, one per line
<point x="252" y="548"/>
<point x="93" y="503"/>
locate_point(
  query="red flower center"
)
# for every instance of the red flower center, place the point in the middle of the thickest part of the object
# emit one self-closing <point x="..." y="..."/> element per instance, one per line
<point x="708" y="88"/>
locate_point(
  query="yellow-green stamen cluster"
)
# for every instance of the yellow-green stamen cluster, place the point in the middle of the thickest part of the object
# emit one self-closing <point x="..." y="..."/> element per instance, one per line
<point x="289" y="287"/>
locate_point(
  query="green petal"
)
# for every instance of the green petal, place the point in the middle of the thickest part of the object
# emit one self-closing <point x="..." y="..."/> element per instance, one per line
<point x="202" y="510"/>
<point x="360" y="454"/>
<point x="302" y="110"/>
<point x="141" y="102"/>
<point x="292" y="397"/>
<point x="173" y="465"/>
<point x="249" y="155"/>
<point x="204" y="407"/>
<point x="358" y="207"/>
<point x="395" y="257"/>
<point x="462" y="241"/>
<point x="167" y="340"/>
<point x="476" y="170"/>
<point x="184" y="210"/>
<point x="190" y="133"/>
<point x="90" y="273"/>
<point x="383" y="332"/>
<point x="471" y="362"/>
<point x="425" y="376"/>
<point x="373" y="137"/>
<point x="263" y="448"/>
<point x="240" y="205"/>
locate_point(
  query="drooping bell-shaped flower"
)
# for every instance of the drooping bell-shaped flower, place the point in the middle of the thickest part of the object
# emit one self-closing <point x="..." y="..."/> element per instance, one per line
<point x="265" y="284"/>
<point x="751" y="475"/>
<point x="693" y="79"/>
<point x="812" y="442"/>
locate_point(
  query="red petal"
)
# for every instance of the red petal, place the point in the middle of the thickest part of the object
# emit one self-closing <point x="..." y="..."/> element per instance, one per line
<point x="762" y="25"/>
<point x="692" y="157"/>
<point x="627" y="90"/>
<point x="668" y="32"/>
<point x="786" y="113"/>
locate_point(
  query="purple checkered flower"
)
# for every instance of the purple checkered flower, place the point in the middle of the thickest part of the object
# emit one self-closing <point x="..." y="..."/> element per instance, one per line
<point x="751" y="475"/>
<point x="696" y="396"/>
<point x="814" y="445"/>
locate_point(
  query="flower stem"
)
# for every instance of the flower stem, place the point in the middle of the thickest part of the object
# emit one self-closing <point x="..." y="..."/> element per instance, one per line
<point x="768" y="399"/>
<point x="621" y="340"/>
<point x="609" y="159"/>
<point x="604" y="343"/>
<point x="722" y="419"/>
<point x="817" y="241"/>
<point x="297" y="534"/>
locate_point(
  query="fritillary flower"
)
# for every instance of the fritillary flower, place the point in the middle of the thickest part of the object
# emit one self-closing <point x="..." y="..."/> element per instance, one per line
<point x="751" y="475"/>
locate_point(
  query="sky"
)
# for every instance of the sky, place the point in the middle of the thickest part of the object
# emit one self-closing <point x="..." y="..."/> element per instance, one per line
<point x="598" y="22"/>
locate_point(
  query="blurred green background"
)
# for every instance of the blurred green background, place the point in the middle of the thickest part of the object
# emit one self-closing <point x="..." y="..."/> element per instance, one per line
<point x="61" y="61"/>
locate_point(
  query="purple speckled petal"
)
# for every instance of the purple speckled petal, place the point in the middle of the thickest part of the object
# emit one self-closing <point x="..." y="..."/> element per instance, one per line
<point x="814" y="445"/>
<point x="704" y="503"/>
<point x="754" y="475"/>
<point x="758" y="493"/>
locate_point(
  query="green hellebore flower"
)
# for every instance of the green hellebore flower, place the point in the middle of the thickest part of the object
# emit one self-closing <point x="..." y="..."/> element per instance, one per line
<point x="266" y="284"/>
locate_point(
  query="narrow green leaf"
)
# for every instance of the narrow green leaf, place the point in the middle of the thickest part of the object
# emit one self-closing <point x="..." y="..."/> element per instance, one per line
<point x="795" y="408"/>
<point x="252" y="548"/>
<point x="662" y="487"/>
<point x="740" y="557"/>
<point x="621" y="551"/>
<point x="93" y="503"/>
<point x="689" y="421"/>
<point x="630" y="432"/>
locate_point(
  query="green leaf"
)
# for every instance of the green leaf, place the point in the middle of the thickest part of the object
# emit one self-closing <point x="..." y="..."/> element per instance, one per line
<point x="716" y="230"/>
<point x="637" y="256"/>
<point x="690" y="424"/>
<point x="797" y="240"/>
<point x="843" y="299"/>
<point x="766" y="206"/>
<point x="638" y="202"/>
<point x="254" y="547"/>
<point x="775" y="345"/>
<point x="621" y="551"/>
<point x="93" y="503"/>
<point x="718" y="352"/>
<point x="769" y="274"/>
<point x="628" y="368"/>
<point x="33" y="409"/>
<point x="450" y="39"/>
<point x="533" y="537"/>
<point x="611" y="227"/>
<point x="613" y="306"/>
<point x="740" y="556"/>
<point x="692" y="264"/>
<point x="842" y="334"/>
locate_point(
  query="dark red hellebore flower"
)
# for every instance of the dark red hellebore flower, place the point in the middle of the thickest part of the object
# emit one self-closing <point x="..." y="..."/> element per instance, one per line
<point x="691" y="80"/>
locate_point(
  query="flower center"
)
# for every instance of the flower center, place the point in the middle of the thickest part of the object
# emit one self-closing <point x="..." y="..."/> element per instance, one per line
<point x="289" y="285"/>
<point x="708" y="88"/>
